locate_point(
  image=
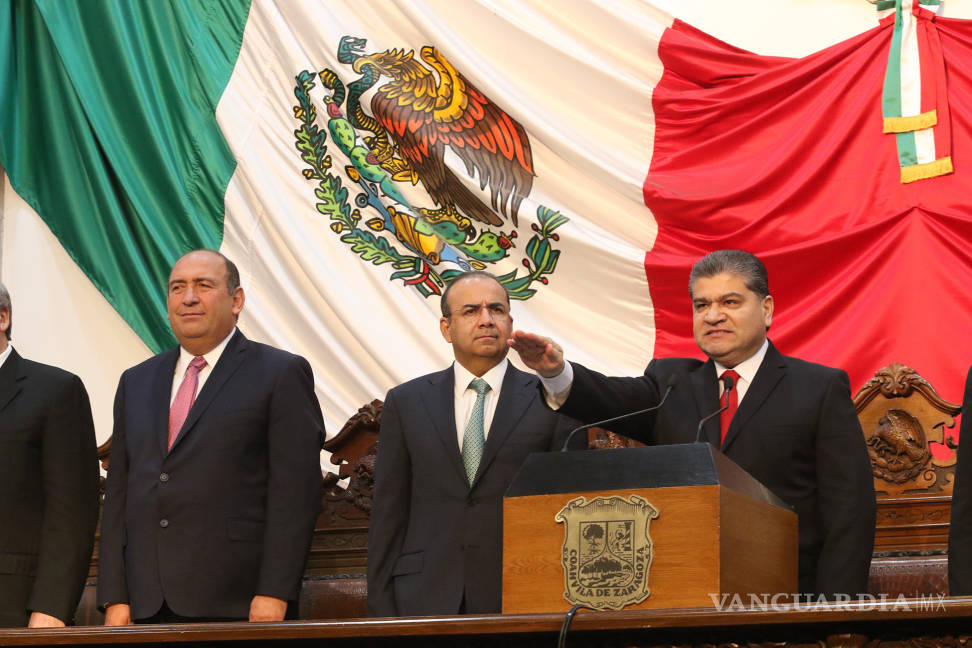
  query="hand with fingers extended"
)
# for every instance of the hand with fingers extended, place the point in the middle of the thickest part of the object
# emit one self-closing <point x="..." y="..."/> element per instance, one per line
<point x="539" y="353"/>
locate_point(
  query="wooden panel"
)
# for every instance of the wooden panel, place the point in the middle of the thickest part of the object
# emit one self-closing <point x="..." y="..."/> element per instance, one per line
<point x="334" y="598"/>
<point x="910" y="576"/>
<point x="759" y="546"/>
<point x="684" y="570"/>
<point x="915" y="523"/>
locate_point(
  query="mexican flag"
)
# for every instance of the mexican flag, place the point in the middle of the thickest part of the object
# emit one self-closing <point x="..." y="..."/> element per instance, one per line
<point x="351" y="157"/>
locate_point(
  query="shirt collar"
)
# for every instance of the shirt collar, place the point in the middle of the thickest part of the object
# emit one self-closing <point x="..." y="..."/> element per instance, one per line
<point x="6" y="353"/>
<point x="494" y="377"/>
<point x="747" y="368"/>
<point x="212" y="357"/>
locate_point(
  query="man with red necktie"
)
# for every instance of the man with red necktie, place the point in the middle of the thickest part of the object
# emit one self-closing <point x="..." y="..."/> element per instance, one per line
<point x="791" y="424"/>
<point x="214" y="476"/>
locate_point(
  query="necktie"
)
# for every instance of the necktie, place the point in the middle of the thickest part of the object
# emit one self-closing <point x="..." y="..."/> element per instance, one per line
<point x="474" y="437"/>
<point x="726" y="417"/>
<point x="184" y="398"/>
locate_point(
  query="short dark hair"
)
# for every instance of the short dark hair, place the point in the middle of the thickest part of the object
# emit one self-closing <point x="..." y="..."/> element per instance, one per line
<point x="232" y="272"/>
<point x="444" y="302"/>
<point x="737" y="262"/>
<point x="5" y="305"/>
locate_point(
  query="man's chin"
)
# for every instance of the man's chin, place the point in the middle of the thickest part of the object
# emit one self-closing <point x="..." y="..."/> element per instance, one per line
<point x="716" y="352"/>
<point x="493" y="351"/>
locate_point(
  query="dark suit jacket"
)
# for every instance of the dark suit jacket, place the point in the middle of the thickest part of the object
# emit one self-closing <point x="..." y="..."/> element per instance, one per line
<point x="796" y="431"/>
<point x="48" y="490"/>
<point x="229" y="512"/>
<point x="433" y="539"/>
<point x="960" y="529"/>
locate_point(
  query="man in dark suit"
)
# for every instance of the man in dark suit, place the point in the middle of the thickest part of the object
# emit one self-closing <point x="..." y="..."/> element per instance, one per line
<point x="795" y="429"/>
<point x="960" y="527"/>
<point x="211" y="500"/>
<point x="449" y="445"/>
<point x="48" y="487"/>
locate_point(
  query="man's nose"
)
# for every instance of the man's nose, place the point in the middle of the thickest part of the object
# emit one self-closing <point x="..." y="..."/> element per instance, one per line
<point x="484" y="316"/>
<point x="713" y="313"/>
<point x="189" y="296"/>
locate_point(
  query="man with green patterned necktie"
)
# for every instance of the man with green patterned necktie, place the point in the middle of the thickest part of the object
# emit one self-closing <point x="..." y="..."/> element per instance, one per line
<point x="449" y="445"/>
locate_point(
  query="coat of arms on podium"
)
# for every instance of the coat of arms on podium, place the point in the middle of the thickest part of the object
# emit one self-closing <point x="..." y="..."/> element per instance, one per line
<point x="607" y="551"/>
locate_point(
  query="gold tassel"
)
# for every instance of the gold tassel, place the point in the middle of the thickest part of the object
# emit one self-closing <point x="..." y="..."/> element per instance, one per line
<point x="941" y="166"/>
<point x="913" y="123"/>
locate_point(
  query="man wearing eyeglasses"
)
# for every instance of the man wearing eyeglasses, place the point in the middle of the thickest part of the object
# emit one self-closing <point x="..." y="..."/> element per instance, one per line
<point x="449" y="445"/>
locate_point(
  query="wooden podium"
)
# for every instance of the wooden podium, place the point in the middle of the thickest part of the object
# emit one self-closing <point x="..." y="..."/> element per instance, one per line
<point x="716" y="531"/>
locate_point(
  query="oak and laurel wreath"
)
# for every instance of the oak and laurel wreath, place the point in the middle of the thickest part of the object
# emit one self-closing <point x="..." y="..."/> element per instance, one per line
<point x="541" y="257"/>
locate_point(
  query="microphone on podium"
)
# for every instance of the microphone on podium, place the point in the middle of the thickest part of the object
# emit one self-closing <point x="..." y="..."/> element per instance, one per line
<point x="728" y="383"/>
<point x="669" y="386"/>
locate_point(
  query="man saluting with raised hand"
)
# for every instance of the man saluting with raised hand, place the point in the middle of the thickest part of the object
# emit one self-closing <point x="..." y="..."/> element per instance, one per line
<point x="791" y="424"/>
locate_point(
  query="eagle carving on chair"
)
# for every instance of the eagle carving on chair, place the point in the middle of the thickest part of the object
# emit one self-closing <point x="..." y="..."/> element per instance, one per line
<point x="425" y="112"/>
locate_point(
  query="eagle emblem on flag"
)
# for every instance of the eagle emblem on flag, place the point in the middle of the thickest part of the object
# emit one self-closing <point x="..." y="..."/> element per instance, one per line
<point x="422" y="111"/>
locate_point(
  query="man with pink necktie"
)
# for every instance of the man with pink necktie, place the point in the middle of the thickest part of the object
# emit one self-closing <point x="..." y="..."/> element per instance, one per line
<point x="214" y="477"/>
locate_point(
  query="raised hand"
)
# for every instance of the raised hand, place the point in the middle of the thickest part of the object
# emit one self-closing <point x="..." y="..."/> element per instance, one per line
<point x="541" y="354"/>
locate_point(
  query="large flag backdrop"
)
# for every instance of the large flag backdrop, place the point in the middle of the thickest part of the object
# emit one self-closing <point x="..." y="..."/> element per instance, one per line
<point x="625" y="143"/>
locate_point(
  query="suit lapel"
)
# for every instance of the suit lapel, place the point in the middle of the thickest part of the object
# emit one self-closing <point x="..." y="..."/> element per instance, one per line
<point x="441" y="405"/>
<point x="162" y="395"/>
<point x="515" y="397"/>
<point x="769" y="374"/>
<point x="705" y="389"/>
<point x="11" y="379"/>
<point x="232" y="357"/>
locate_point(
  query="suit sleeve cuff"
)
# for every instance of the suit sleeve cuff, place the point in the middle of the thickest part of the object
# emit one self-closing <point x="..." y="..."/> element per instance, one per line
<point x="557" y="389"/>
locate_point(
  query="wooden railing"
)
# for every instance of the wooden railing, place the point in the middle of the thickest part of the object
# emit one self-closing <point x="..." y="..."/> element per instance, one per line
<point x="894" y="622"/>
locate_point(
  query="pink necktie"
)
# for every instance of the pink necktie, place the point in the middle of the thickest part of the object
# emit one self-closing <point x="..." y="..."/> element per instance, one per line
<point x="726" y="417"/>
<point x="184" y="398"/>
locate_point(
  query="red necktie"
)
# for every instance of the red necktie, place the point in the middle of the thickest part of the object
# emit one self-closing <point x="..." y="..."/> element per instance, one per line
<point x="726" y="417"/>
<point x="184" y="398"/>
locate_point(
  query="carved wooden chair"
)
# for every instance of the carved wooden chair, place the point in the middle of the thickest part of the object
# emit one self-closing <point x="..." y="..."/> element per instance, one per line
<point x="905" y="424"/>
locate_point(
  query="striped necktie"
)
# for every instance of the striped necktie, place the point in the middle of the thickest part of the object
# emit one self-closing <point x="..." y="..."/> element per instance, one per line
<point x="474" y="437"/>
<point x="184" y="398"/>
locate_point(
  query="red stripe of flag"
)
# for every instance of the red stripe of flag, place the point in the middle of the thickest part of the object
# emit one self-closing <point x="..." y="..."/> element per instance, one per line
<point x="786" y="158"/>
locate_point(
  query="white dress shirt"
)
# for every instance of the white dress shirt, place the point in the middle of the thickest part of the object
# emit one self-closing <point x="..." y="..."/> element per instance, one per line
<point x="6" y="353"/>
<point x="465" y="398"/>
<point x="183" y="363"/>
<point x="747" y="372"/>
<point x="557" y="389"/>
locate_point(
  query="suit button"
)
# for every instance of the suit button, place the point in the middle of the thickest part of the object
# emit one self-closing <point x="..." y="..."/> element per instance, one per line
<point x="164" y="477"/>
<point x="163" y="523"/>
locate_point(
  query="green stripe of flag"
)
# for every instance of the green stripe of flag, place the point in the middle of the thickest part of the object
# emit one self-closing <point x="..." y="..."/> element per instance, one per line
<point x="907" y="150"/>
<point x="108" y="130"/>
<point x="891" y="98"/>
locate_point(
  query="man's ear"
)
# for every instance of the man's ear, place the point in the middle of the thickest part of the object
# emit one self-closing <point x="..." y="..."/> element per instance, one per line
<point x="444" y="328"/>
<point x="239" y="298"/>
<point x="767" y="310"/>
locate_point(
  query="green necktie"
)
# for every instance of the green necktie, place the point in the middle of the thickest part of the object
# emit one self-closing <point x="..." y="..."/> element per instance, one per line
<point x="474" y="438"/>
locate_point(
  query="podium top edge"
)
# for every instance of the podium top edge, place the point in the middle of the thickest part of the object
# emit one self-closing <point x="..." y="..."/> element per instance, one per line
<point x="663" y="466"/>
